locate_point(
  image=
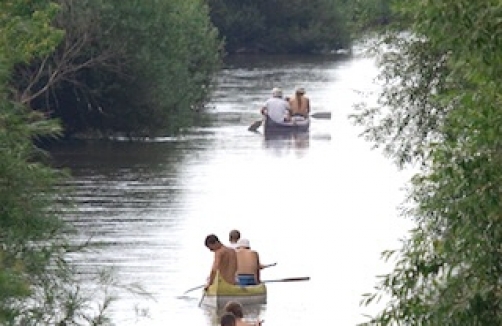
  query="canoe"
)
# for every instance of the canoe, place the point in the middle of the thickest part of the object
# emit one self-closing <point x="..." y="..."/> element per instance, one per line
<point x="221" y="292"/>
<point x="271" y="126"/>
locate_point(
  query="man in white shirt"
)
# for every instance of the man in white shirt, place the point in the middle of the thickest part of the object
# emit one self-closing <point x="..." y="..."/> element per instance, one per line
<point x="276" y="108"/>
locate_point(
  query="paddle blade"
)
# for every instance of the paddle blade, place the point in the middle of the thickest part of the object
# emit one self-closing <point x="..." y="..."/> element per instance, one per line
<point x="202" y="298"/>
<point x="321" y="115"/>
<point x="255" y="126"/>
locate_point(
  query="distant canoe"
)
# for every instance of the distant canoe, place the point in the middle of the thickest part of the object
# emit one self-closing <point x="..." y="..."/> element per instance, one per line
<point x="221" y="292"/>
<point x="271" y="126"/>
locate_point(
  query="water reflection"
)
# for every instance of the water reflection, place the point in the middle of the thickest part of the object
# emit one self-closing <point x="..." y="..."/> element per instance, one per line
<point x="284" y="143"/>
<point x="252" y="314"/>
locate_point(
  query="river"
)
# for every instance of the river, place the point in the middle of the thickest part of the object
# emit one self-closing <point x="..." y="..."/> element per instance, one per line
<point x="322" y="206"/>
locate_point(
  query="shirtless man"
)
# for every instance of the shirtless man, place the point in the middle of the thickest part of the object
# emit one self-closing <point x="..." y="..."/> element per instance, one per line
<point x="225" y="261"/>
<point x="233" y="237"/>
<point x="248" y="264"/>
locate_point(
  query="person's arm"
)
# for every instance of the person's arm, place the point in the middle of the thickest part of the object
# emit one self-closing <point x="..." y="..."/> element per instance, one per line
<point x="264" y="109"/>
<point x="289" y="113"/>
<point x="214" y="269"/>
<point x="308" y="105"/>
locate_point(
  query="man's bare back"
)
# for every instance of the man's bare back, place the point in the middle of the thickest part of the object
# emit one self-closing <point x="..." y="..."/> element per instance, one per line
<point x="247" y="261"/>
<point x="248" y="264"/>
<point x="227" y="263"/>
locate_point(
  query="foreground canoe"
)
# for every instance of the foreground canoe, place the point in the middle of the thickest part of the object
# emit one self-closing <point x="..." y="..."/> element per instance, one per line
<point x="271" y="126"/>
<point x="221" y="292"/>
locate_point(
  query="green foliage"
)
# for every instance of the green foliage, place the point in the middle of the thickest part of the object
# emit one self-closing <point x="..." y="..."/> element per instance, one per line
<point x="369" y="15"/>
<point x="294" y="26"/>
<point x="38" y="286"/>
<point x="25" y="185"/>
<point x="25" y="193"/>
<point x="122" y="65"/>
<point x="440" y="107"/>
<point x="25" y="29"/>
<point x="173" y="54"/>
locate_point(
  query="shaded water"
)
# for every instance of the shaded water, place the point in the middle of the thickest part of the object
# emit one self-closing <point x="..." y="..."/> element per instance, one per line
<point x="322" y="206"/>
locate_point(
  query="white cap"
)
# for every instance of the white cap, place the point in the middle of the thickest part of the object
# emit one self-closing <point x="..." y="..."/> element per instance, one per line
<point x="243" y="243"/>
<point x="277" y="92"/>
<point x="300" y="90"/>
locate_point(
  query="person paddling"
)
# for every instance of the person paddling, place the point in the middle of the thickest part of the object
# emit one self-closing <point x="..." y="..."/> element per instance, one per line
<point x="248" y="264"/>
<point x="224" y="263"/>
<point x="276" y="108"/>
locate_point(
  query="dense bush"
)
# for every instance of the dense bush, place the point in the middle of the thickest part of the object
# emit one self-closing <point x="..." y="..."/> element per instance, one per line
<point x="126" y="66"/>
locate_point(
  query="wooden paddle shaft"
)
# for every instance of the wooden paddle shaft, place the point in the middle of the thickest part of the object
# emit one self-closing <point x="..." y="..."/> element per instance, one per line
<point x="291" y="279"/>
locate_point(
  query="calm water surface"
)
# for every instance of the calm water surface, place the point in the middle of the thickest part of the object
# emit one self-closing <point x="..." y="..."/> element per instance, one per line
<point x="323" y="206"/>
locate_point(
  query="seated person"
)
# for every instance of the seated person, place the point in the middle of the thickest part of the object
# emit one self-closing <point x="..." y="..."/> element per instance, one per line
<point x="276" y="107"/>
<point x="299" y="104"/>
<point x="248" y="264"/>
<point x="233" y="237"/>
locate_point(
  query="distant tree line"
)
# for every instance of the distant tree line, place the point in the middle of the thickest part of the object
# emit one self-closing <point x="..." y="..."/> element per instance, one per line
<point x="282" y="26"/>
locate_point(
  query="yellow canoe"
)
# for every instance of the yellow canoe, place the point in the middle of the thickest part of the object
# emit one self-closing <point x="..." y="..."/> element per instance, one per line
<point x="221" y="292"/>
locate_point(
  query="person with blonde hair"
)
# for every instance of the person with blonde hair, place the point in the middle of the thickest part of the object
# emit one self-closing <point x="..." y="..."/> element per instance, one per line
<point x="299" y="104"/>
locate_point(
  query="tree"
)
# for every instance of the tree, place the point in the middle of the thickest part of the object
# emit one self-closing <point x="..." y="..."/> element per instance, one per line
<point x="38" y="285"/>
<point x="115" y="69"/>
<point x="440" y="107"/>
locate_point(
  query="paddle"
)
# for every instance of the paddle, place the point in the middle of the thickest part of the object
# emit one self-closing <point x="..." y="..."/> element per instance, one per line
<point x="318" y="115"/>
<point x="255" y="125"/>
<point x="194" y="288"/>
<point x="202" y="299"/>
<point x="268" y="265"/>
<point x="291" y="279"/>
<point x="201" y="286"/>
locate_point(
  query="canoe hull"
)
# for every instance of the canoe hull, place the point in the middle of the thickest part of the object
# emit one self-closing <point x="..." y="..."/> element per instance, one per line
<point x="271" y="126"/>
<point x="221" y="292"/>
<point x="219" y="301"/>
